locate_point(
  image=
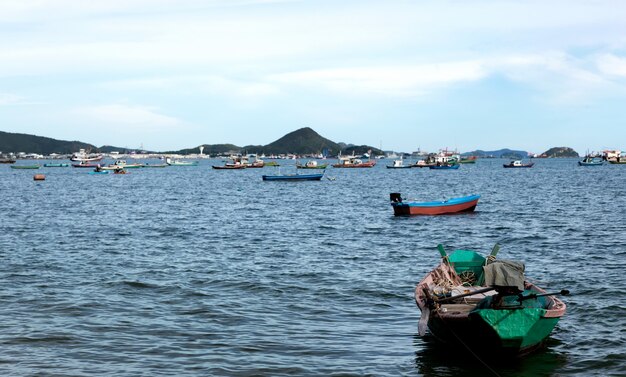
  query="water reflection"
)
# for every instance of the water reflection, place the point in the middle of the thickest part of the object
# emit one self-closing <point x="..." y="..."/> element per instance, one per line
<point x="433" y="359"/>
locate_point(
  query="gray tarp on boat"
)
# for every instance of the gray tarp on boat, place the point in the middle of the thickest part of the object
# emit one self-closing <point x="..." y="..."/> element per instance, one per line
<point x="505" y="273"/>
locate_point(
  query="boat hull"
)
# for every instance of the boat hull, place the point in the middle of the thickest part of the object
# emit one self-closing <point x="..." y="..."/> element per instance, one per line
<point x="509" y="166"/>
<point x="444" y="167"/>
<point x="527" y="334"/>
<point x="595" y="163"/>
<point x="56" y="165"/>
<point x="452" y="206"/>
<point x="370" y="164"/>
<point x="229" y="167"/>
<point x="24" y="166"/>
<point x="296" y="177"/>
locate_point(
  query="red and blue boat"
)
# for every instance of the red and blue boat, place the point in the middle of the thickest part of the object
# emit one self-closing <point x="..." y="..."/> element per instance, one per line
<point x="450" y="206"/>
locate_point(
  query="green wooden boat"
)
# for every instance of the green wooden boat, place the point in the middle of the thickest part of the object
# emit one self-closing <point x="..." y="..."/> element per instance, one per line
<point x="486" y="306"/>
<point x="25" y="166"/>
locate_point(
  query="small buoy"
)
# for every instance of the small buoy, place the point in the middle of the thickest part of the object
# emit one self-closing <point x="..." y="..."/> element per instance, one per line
<point x="39" y="177"/>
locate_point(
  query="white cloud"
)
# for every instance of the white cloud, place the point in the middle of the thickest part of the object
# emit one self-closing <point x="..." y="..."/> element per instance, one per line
<point x="125" y="117"/>
<point x="208" y="84"/>
<point x="611" y="65"/>
<point x="386" y="80"/>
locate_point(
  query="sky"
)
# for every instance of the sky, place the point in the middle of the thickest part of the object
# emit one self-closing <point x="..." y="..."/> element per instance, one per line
<point x="401" y="75"/>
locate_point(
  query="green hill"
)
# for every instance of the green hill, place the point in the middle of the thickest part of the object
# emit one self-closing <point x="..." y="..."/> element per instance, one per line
<point x="15" y="143"/>
<point x="560" y="152"/>
<point x="302" y="141"/>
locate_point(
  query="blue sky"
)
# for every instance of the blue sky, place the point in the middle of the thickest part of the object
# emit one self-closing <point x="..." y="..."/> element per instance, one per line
<point x="470" y="74"/>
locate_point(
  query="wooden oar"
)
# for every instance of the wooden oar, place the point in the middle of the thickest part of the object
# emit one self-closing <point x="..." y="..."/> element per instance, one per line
<point x="452" y="298"/>
<point x="521" y="297"/>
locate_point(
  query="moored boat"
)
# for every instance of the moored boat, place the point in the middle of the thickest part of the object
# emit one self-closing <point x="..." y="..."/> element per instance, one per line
<point x="56" y="165"/>
<point x="485" y="305"/>
<point x="353" y="162"/>
<point x="84" y="164"/>
<point x="25" y="166"/>
<point x="590" y="161"/>
<point x="229" y="167"/>
<point x="450" y="206"/>
<point x="83" y="156"/>
<point x="398" y="164"/>
<point x="312" y="164"/>
<point x="122" y="164"/>
<point x="171" y="162"/>
<point x="293" y="177"/>
<point x="468" y="160"/>
<point x="518" y="164"/>
<point x="445" y="167"/>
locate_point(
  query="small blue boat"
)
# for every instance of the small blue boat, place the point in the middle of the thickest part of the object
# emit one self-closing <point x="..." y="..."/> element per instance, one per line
<point x="444" y="167"/>
<point x="99" y="172"/>
<point x="293" y="177"/>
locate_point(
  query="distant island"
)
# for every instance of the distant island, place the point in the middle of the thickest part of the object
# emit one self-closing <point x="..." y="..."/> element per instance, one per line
<point x="560" y="152"/>
<point x="304" y="141"/>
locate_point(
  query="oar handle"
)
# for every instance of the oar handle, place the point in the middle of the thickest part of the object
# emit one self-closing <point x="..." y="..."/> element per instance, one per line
<point x="452" y="298"/>
<point x="521" y="297"/>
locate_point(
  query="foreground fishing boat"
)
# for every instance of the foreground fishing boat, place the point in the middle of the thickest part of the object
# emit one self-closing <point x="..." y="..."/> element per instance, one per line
<point x="454" y="205"/>
<point x="293" y="177"/>
<point x="485" y="306"/>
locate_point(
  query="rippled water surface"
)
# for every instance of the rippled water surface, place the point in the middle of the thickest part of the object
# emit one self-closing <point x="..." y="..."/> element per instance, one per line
<point x="193" y="271"/>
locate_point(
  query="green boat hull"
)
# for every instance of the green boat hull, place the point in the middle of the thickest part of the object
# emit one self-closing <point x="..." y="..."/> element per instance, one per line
<point x="24" y="166"/>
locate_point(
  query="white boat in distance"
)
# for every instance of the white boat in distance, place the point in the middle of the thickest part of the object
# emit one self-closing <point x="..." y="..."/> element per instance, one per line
<point x="83" y="156"/>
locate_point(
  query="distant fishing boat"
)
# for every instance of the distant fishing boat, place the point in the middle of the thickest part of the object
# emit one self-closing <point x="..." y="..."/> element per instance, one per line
<point x="353" y="162"/>
<point x="154" y="165"/>
<point x="171" y="162"/>
<point x="293" y="177"/>
<point x="55" y="165"/>
<point x="123" y="165"/>
<point x="468" y="160"/>
<point x="229" y="167"/>
<point x="312" y="164"/>
<point x="398" y="164"/>
<point x="83" y="156"/>
<point x="450" y="206"/>
<point x="7" y="160"/>
<point x="84" y="164"/>
<point x="99" y="172"/>
<point x="445" y="167"/>
<point x="25" y="166"/>
<point x="590" y="161"/>
<point x="485" y="305"/>
<point x="518" y="164"/>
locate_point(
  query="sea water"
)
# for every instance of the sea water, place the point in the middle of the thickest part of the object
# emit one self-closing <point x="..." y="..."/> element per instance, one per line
<point x="194" y="271"/>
